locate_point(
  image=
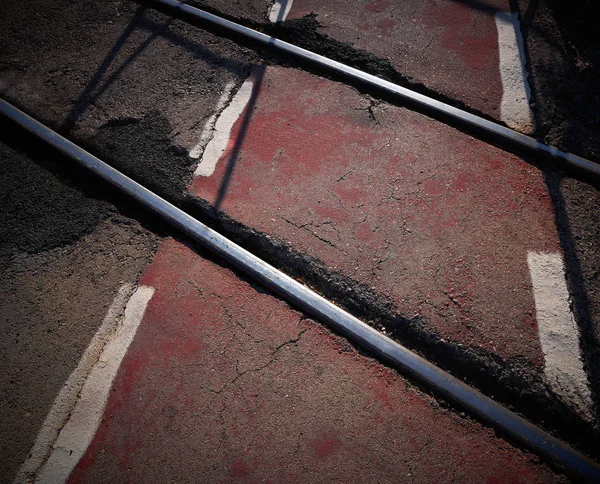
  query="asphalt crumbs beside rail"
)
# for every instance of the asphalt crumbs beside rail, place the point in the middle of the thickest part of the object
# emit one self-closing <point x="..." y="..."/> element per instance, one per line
<point x="138" y="88"/>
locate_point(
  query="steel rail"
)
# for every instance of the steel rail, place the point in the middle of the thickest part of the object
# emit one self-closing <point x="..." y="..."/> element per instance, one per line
<point x="495" y="129"/>
<point x="409" y="363"/>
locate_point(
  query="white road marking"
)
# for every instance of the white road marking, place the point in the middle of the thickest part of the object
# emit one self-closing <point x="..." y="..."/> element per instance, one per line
<point x="209" y="127"/>
<point x="77" y="410"/>
<point x="514" y="108"/>
<point x="279" y="10"/>
<point x="222" y="130"/>
<point x="558" y="332"/>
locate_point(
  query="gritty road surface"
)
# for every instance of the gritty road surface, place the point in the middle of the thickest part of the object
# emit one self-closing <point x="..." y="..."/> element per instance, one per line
<point x="259" y="393"/>
<point x="131" y="355"/>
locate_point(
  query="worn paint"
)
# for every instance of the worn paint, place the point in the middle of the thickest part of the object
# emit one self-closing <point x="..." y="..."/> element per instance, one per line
<point x="208" y="131"/>
<point x="514" y="108"/>
<point x="559" y="335"/>
<point x="103" y="357"/>
<point x="218" y="143"/>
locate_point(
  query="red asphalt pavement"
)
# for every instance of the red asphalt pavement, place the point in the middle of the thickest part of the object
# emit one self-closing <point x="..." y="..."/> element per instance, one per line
<point x="225" y="383"/>
<point x="450" y="46"/>
<point x="436" y="220"/>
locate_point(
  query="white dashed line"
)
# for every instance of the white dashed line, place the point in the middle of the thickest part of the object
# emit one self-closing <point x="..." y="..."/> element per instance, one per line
<point x="222" y="130"/>
<point x="558" y="332"/>
<point x="209" y="127"/>
<point x="514" y="108"/>
<point x="280" y="10"/>
<point x="77" y="410"/>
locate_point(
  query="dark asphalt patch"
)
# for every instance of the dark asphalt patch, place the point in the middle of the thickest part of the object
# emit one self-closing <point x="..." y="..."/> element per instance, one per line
<point x="49" y="201"/>
<point x="39" y="212"/>
<point x="142" y="149"/>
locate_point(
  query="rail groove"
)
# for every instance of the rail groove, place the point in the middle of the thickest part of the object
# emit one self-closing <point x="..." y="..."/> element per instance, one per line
<point x="440" y="382"/>
<point x="496" y="130"/>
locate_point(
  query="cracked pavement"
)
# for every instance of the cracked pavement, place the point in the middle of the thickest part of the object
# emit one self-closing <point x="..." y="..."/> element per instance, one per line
<point x="416" y="227"/>
<point x="394" y="201"/>
<point x="226" y="383"/>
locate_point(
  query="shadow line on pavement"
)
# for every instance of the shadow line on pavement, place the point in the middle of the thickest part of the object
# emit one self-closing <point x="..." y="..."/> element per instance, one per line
<point x="258" y="76"/>
<point x="553" y="180"/>
<point x="88" y="95"/>
<point x="96" y="86"/>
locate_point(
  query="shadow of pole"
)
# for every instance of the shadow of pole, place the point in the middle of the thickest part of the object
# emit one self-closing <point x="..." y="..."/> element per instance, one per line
<point x="85" y="98"/>
<point x="90" y="92"/>
<point x="258" y="75"/>
<point x="283" y="6"/>
<point x="574" y="272"/>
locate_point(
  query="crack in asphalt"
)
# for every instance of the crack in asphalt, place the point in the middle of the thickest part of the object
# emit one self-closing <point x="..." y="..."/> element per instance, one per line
<point x="259" y="368"/>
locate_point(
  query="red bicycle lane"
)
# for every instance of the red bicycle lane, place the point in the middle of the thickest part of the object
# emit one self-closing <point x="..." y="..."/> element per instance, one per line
<point x="448" y="46"/>
<point x="437" y="221"/>
<point x="225" y="383"/>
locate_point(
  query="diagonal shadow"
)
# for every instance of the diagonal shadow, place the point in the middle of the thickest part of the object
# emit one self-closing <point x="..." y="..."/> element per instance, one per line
<point x="98" y="84"/>
<point x="283" y="5"/>
<point x="198" y="50"/>
<point x="574" y="271"/>
<point x="86" y="97"/>
<point x="233" y="159"/>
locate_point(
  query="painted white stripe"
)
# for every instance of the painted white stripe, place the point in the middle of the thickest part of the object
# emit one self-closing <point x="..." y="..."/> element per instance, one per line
<point x="279" y="10"/>
<point x="78" y="408"/>
<point x="558" y="332"/>
<point x="209" y="126"/>
<point x="222" y="130"/>
<point x="514" y="108"/>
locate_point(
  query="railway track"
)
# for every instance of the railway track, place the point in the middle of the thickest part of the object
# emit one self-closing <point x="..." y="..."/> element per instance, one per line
<point x="407" y="362"/>
<point x="455" y="115"/>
